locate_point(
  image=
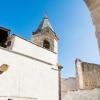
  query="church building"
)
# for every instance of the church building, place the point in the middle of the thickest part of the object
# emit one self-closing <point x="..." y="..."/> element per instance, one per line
<point x="29" y="69"/>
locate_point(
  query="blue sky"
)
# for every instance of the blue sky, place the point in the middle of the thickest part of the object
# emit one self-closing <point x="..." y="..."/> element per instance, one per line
<point x="70" y="19"/>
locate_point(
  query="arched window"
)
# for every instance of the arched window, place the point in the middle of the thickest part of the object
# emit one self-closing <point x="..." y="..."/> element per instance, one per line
<point x="46" y="44"/>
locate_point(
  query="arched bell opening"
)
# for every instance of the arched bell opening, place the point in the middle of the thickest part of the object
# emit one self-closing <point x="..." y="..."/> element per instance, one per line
<point x="46" y="44"/>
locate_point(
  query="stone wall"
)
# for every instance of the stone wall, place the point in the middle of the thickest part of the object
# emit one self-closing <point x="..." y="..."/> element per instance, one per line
<point x="94" y="7"/>
<point x="86" y="84"/>
<point x="88" y="75"/>
<point x="46" y="34"/>
<point x="83" y="95"/>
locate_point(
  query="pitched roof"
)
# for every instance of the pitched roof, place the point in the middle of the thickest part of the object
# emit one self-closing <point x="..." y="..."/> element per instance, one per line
<point x="45" y="23"/>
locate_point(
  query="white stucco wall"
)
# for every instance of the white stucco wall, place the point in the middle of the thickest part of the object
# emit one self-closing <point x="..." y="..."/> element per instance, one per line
<point x="16" y="98"/>
<point x="28" y="48"/>
<point x="27" y="77"/>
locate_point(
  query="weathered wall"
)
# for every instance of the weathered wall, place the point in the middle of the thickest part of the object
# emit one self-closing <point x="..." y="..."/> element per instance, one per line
<point x="83" y="95"/>
<point x="26" y="76"/>
<point x="94" y="7"/>
<point x="88" y="75"/>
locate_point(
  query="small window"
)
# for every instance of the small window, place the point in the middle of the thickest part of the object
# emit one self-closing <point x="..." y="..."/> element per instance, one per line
<point x="46" y="44"/>
<point x="10" y="99"/>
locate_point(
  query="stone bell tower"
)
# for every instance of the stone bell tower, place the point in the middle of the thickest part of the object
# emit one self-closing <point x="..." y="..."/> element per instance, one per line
<point x="45" y="36"/>
<point x="94" y="7"/>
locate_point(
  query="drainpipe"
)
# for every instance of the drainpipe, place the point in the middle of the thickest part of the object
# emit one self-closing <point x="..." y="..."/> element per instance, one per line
<point x="59" y="75"/>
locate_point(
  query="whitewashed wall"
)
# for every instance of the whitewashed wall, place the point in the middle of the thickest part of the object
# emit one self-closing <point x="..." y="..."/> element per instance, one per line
<point x="25" y="47"/>
<point x="16" y="98"/>
<point x="27" y="77"/>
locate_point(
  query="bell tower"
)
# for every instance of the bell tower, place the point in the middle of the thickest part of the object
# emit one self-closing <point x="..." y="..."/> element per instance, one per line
<point x="45" y="36"/>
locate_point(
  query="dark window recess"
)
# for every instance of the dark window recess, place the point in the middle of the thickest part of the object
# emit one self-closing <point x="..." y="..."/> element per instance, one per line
<point x="10" y="99"/>
<point x="46" y="44"/>
<point x="3" y="38"/>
